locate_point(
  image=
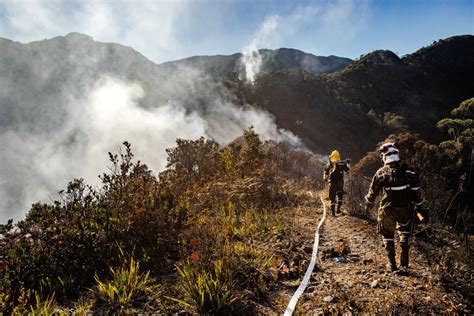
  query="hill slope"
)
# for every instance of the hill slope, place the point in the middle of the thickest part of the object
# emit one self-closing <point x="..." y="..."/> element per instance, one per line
<point x="371" y="98"/>
<point x="64" y="97"/>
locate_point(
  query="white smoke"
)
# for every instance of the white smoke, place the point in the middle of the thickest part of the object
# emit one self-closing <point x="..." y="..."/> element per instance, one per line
<point x="36" y="165"/>
<point x="252" y="62"/>
<point x="113" y="115"/>
<point x="251" y="59"/>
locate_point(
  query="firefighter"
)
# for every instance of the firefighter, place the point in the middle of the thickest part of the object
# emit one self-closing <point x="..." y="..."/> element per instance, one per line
<point x="400" y="201"/>
<point x="334" y="175"/>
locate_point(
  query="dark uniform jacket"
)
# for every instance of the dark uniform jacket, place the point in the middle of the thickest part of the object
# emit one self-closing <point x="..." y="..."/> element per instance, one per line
<point x="399" y="185"/>
<point x="334" y="172"/>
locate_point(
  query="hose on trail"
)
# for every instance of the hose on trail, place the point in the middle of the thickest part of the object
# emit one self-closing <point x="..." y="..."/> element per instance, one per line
<point x="304" y="283"/>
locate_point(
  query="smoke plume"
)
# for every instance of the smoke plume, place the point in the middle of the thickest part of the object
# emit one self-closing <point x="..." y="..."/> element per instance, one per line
<point x="329" y="21"/>
<point x="66" y="134"/>
<point x="251" y="60"/>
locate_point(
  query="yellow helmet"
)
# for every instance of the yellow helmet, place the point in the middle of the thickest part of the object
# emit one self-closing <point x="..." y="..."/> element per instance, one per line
<point x="335" y="156"/>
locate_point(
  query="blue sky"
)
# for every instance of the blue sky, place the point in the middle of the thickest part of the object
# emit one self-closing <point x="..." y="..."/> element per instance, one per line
<point x="168" y="30"/>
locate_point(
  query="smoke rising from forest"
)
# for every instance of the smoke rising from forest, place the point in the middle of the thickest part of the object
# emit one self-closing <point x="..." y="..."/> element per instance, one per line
<point x="37" y="165"/>
<point x="341" y="18"/>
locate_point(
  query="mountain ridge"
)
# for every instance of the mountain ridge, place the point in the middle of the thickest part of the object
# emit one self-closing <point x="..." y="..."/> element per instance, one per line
<point x="369" y="89"/>
<point x="278" y="59"/>
<point x="379" y="97"/>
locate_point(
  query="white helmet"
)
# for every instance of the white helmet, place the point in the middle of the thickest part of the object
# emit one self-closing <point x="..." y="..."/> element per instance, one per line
<point x="389" y="152"/>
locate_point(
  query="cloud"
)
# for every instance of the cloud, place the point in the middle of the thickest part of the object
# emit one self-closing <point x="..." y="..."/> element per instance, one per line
<point x="33" y="18"/>
<point x="346" y="18"/>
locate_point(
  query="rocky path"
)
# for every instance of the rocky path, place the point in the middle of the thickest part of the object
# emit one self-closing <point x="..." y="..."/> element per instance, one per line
<point x="351" y="276"/>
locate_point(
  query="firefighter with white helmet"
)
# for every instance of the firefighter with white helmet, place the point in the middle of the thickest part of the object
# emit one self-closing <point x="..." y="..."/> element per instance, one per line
<point x="334" y="174"/>
<point x="401" y="199"/>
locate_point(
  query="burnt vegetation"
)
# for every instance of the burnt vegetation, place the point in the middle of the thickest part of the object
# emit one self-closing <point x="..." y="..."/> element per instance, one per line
<point x="200" y="236"/>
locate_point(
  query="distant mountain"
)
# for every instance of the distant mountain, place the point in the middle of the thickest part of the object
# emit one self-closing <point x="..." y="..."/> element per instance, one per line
<point x="374" y="96"/>
<point x="40" y="77"/>
<point x="279" y="59"/>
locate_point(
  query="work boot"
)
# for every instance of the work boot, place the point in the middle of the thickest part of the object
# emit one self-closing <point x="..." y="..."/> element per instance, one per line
<point x="404" y="255"/>
<point x="390" y="248"/>
<point x="333" y="209"/>
<point x="338" y="209"/>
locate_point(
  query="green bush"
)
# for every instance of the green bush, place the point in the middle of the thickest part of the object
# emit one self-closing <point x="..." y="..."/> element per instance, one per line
<point x="126" y="288"/>
<point x="208" y="291"/>
<point x="31" y="303"/>
<point x="60" y="247"/>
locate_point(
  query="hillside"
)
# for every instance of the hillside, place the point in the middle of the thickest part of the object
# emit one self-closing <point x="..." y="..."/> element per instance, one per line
<point x="255" y="179"/>
<point x="68" y="99"/>
<point x="374" y="96"/>
<point x="55" y="94"/>
<point x="70" y="63"/>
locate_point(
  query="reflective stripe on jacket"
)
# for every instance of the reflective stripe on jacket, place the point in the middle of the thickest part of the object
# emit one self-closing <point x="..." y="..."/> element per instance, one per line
<point x="399" y="185"/>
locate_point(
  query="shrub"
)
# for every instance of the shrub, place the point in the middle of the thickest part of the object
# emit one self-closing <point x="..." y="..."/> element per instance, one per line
<point x="208" y="291"/>
<point x="41" y="307"/>
<point x="60" y="247"/>
<point x="126" y="288"/>
<point x="191" y="161"/>
<point x="296" y="165"/>
<point x="224" y="200"/>
<point x="243" y="239"/>
<point x="31" y="303"/>
<point x="460" y="127"/>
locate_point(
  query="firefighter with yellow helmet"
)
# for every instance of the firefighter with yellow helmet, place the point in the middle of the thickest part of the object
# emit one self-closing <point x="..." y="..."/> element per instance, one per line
<point x="334" y="175"/>
<point x="401" y="200"/>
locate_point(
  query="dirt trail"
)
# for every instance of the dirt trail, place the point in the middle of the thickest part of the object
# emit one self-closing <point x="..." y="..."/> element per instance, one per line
<point x="351" y="275"/>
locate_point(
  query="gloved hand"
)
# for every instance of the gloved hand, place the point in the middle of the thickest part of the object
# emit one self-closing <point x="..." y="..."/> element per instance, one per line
<point x="368" y="204"/>
<point x="422" y="215"/>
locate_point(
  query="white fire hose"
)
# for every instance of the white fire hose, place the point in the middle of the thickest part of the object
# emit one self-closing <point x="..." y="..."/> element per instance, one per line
<point x="304" y="283"/>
